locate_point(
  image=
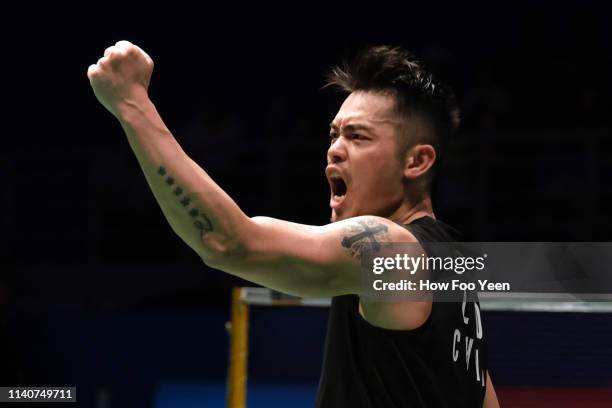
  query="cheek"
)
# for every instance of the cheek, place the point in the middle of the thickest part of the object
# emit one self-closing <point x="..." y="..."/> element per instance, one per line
<point x="381" y="178"/>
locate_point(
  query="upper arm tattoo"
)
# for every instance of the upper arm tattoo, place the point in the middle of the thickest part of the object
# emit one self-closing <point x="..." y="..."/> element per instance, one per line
<point x="200" y="220"/>
<point x="364" y="234"/>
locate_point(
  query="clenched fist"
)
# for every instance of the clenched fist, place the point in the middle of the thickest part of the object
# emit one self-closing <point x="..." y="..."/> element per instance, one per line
<point x="121" y="77"/>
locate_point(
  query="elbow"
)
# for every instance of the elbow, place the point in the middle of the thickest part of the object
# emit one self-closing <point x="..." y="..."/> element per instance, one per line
<point x="222" y="253"/>
<point x="227" y="250"/>
<point x="227" y="246"/>
<point x="235" y="248"/>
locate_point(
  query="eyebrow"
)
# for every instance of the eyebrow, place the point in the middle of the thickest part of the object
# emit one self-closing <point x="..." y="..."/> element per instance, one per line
<point x="352" y="127"/>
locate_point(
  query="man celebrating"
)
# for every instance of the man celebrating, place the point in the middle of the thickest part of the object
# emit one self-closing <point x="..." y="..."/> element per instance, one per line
<point x="382" y="148"/>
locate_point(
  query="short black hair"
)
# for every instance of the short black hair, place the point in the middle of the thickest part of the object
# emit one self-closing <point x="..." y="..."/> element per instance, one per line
<point x="397" y="71"/>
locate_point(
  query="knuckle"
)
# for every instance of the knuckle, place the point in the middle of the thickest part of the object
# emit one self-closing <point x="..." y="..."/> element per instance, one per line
<point x="123" y="44"/>
<point x="93" y="73"/>
<point x="131" y="50"/>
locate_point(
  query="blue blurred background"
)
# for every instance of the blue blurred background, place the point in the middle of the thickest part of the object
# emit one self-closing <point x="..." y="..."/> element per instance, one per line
<point x="97" y="292"/>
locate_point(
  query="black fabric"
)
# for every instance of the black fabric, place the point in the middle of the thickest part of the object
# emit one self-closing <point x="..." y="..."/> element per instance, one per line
<point x="366" y="366"/>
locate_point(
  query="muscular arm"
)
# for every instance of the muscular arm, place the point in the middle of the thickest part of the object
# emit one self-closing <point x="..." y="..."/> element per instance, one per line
<point x="196" y="208"/>
<point x="298" y="259"/>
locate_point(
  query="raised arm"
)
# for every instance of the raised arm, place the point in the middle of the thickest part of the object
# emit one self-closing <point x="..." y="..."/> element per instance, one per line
<point x="297" y="259"/>
<point x="185" y="193"/>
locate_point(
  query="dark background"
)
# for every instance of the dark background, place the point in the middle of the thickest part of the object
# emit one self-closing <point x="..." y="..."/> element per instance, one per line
<point x="96" y="290"/>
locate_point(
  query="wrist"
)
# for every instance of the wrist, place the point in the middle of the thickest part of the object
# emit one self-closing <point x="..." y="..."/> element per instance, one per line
<point x="133" y="107"/>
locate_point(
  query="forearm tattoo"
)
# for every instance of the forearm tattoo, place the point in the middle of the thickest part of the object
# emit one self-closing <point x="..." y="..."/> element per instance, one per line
<point x="200" y="220"/>
<point x="364" y="235"/>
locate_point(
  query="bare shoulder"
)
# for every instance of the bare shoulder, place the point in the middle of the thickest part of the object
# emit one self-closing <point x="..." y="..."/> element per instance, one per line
<point x="309" y="260"/>
<point x="368" y="232"/>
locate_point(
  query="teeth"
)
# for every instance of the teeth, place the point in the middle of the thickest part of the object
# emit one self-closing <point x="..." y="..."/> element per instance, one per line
<point x="338" y="197"/>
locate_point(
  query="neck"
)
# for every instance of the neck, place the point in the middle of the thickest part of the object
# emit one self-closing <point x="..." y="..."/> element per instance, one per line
<point x="410" y="210"/>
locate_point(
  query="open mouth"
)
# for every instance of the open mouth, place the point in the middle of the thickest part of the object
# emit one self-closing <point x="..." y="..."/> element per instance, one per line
<point x="338" y="190"/>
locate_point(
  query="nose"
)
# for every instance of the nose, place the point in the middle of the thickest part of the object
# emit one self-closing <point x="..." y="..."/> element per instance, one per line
<point x="337" y="151"/>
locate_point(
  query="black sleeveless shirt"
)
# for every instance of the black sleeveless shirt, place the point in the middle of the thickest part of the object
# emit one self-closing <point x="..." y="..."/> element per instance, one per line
<point x="439" y="364"/>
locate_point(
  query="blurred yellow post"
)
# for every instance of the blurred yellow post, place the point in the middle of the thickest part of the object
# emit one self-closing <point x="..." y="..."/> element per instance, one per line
<point x="239" y="338"/>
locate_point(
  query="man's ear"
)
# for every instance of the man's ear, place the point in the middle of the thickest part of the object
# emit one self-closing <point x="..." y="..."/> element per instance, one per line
<point x="419" y="160"/>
